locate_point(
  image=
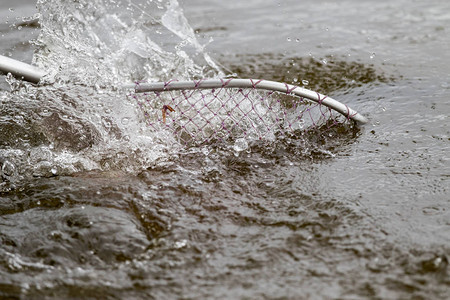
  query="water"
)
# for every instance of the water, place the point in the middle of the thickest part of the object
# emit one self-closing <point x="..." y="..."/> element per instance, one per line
<point x="95" y="205"/>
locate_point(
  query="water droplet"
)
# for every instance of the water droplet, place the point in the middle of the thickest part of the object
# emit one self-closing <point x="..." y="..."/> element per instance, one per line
<point x="45" y="113"/>
<point x="240" y="145"/>
<point x="180" y="244"/>
<point x="54" y="171"/>
<point x="56" y="234"/>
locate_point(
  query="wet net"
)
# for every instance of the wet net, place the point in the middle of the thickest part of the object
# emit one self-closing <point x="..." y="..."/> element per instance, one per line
<point x="201" y="112"/>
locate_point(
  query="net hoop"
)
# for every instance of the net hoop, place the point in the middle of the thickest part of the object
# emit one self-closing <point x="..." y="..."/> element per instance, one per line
<point x="142" y="87"/>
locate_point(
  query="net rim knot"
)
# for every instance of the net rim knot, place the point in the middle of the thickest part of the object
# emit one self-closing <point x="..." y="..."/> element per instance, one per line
<point x="254" y="84"/>
<point x="167" y="83"/>
<point x="289" y="90"/>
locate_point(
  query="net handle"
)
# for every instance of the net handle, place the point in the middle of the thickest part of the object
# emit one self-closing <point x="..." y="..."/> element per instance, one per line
<point x="252" y="83"/>
<point x="21" y="70"/>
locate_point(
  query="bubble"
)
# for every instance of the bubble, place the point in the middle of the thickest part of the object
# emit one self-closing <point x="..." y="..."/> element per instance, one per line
<point x="8" y="168"/>
<point x="305" y="82"/>
<point x="372" y="56"/>
<point x="125" y="121"/>
<point x="107" y="124"/>
<point x="289" y="39"/>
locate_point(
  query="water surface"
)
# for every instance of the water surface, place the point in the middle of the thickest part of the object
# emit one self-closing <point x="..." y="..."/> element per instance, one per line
<point x="95" y="205"/>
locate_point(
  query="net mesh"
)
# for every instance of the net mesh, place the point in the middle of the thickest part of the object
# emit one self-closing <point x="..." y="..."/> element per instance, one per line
<point x="201" y="116"/>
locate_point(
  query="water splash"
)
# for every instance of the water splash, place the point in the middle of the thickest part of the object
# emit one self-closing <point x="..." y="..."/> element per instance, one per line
<point x="79" y="120"/>
<point x="175" y="21"/>
<point x="105" y="42"/>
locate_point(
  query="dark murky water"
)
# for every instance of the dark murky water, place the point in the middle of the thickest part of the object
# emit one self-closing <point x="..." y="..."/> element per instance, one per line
<point x="93" y="205"/>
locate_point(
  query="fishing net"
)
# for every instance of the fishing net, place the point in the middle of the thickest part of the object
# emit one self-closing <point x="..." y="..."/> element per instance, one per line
<point x="203" y="113"/>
